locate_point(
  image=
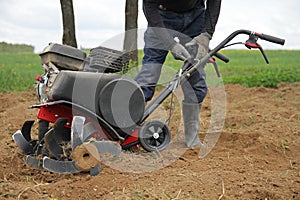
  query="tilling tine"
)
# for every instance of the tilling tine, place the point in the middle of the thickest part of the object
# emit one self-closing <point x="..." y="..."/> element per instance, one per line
<point x="61" y="167"/>
<point x="55" y="137"/>
<point x="53" y="144"/>
<point x="34" y="162"/>
<point x="24" y="145"/>
<point x="26" y="129"/>
<point x="77" y="131"/>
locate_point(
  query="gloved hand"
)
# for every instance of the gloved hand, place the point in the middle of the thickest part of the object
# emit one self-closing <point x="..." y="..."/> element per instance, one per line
<point x="202" y="41"/>
<point x="179" y="52"/>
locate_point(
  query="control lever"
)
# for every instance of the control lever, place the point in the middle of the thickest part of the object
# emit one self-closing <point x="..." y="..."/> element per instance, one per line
<point x="264" y="54"/>
<point x="213" y="61"/>
<point x="252" y="43"/>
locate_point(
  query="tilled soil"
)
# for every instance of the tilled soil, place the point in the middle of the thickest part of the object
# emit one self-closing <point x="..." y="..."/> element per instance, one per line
<point x="256" y="157"/>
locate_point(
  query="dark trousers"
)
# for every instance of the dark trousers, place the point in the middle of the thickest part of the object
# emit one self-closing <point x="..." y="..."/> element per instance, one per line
<point x="185" y="26"/>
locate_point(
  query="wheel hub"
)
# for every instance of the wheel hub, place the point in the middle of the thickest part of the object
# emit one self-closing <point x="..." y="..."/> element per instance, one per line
<point x="155" y="135"/>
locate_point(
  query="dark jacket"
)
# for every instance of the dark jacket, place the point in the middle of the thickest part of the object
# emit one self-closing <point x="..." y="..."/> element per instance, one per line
<point x="151" y="11"/>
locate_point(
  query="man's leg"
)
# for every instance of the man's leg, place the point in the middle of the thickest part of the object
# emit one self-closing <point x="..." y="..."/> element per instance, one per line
<point x="154" y="57"/>
<point x="194" y="90"/>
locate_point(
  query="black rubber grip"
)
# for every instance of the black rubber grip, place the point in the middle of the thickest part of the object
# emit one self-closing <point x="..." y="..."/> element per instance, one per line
<point x="222" y="57"/>
<point x="271" y="38"/>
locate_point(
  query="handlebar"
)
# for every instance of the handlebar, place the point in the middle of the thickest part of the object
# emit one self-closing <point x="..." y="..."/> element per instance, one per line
<point x="222" y="57"/>
<point x="270" y="38"/>
<point x="262" y="36"/>
<point x="247" y="32"/>
<point x="214" y="51"/>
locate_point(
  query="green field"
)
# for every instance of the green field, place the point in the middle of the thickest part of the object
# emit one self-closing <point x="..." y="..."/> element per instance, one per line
<point x="18" y="70"/>
<point x="249" y="68"/>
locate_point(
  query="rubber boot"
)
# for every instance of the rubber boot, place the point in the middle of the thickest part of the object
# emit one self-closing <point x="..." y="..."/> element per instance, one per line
<point x="191" y="120"/>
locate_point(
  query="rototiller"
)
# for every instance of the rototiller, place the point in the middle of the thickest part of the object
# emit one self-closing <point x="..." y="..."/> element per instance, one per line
<point x="88" y="108"/>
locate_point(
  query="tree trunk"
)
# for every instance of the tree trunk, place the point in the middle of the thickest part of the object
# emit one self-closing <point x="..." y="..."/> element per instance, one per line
<point x="69" y="37"/>
<point x="130" y="40"/>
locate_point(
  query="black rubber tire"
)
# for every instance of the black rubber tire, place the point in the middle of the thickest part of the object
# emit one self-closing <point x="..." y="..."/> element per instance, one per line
<point x="154" y="135"/>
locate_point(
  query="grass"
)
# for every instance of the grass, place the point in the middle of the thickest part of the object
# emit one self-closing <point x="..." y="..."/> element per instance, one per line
<point x="249" y="68"/>
<point x="18" y="70"/>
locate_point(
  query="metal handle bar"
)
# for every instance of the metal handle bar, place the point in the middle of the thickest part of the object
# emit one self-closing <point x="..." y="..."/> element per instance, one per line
<point x="200" y="63"/>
